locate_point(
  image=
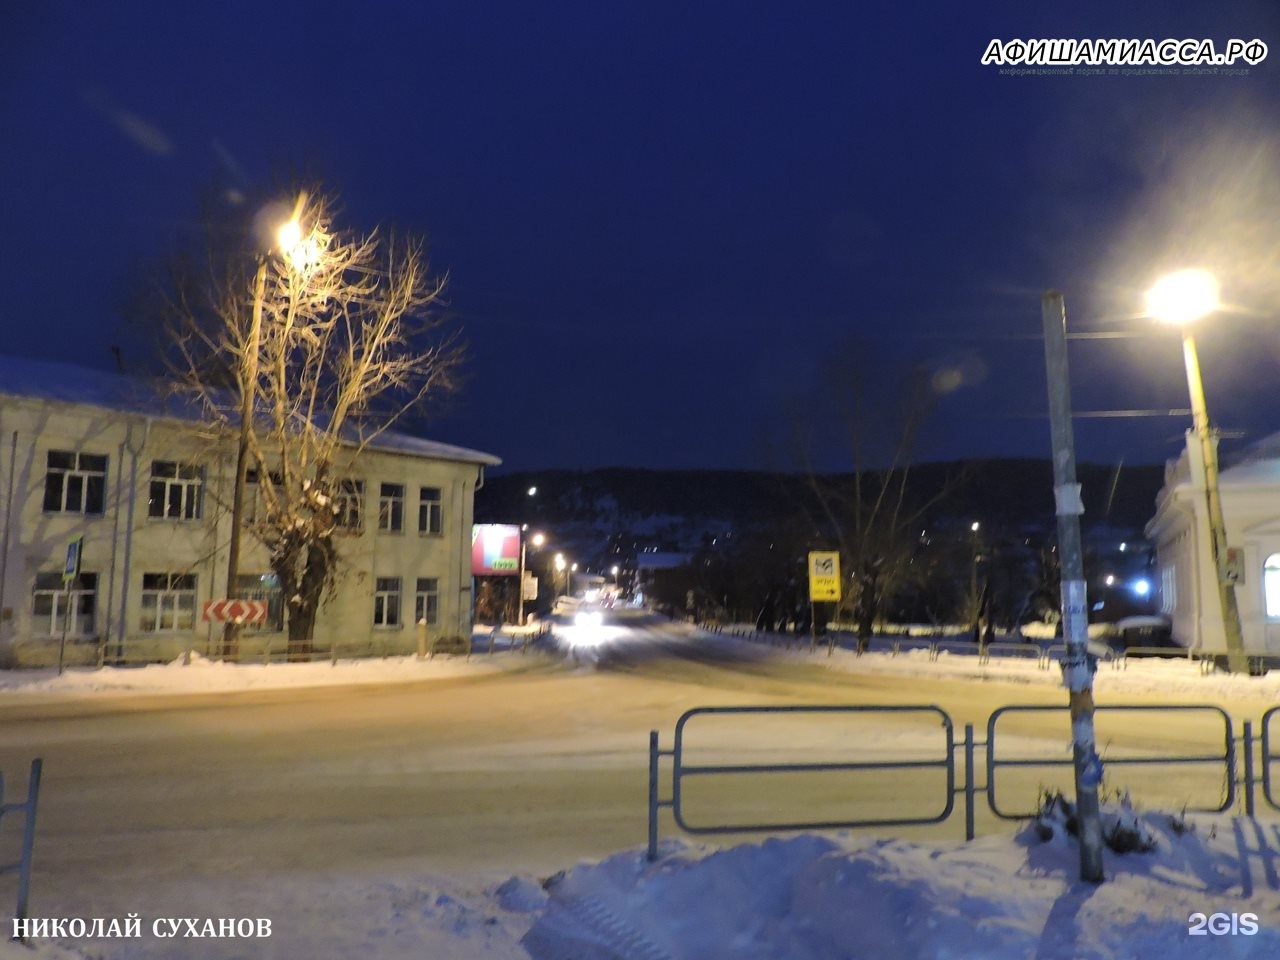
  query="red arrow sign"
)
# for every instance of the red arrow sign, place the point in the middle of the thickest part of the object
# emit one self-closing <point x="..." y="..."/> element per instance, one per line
<point x="235" y="611"/>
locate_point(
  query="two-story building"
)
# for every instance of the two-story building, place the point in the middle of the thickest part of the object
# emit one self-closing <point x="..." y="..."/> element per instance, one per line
<point x="103" y="456"/>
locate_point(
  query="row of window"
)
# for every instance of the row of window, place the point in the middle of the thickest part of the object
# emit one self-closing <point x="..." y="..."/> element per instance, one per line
<point x="349" y="503"/>
<point x="168" y="602"/>
<point x="77" y="482"/>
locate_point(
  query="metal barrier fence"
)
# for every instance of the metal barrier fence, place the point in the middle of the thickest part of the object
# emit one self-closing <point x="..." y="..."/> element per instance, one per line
<point x="140" y="652"/>
<point x="22" y="866"/>
<point x="1226" y="758"/>
<point x="1243" y="774"/>
<point x="681" y="770"/>
<point x="1043" y="654"/>
<point x="1268" y="756"/>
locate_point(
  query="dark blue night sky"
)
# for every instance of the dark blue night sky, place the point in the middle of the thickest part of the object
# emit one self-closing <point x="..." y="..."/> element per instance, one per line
<point x="671" y="228"/>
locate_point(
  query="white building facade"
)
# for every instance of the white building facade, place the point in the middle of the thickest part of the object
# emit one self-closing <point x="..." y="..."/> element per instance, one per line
<point x="1180" y="531"/>
<point x="92" y="455"/>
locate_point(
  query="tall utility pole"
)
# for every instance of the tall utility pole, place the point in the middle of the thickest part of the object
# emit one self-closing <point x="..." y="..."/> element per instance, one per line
<point x="1180" y="299"/>
<point x="287" y="240"/>
<point x="249" y="391"/>
<point x="1077" y="668"/>
<point x="1237" y="661"/>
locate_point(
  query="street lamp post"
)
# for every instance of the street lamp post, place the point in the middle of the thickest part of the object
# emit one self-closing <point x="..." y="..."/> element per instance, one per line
<point x="288" y="237"/>
<point x="1179" y="299"/>
<point x="538" y="539"/>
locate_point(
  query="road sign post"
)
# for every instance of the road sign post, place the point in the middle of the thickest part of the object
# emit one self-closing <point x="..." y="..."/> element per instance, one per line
<point x="234" y="611"/>
<point x="824" y="586"/>
<point x="70" y="573"/>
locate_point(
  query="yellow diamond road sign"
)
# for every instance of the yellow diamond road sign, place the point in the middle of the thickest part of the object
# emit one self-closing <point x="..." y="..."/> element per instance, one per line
<point x="824" y="577"/>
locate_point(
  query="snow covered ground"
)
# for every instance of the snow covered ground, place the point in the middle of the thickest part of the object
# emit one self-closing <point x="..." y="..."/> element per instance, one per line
<point x="803" y="896"/>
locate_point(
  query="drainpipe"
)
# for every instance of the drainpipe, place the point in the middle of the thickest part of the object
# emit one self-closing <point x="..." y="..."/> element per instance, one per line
<point x="8" y="516"/>
<point x="464" y="543"/>
<point x="115" y="546"/>
<point x="128" y="534"/>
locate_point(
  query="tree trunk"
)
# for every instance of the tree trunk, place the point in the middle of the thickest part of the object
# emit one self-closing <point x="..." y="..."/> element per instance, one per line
<point x="306" y="592"/>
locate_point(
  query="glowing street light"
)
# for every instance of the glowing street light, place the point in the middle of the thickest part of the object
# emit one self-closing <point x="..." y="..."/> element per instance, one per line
<point x="1179" y="299"/>
<point x="538" y="540"/>
<point x="292" y="244"/>
<point x="562" y="567"/>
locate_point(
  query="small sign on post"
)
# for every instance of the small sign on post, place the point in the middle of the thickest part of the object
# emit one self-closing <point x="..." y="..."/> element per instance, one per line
<point x="71" y="569"/>
<point x="824" y="576"/>
<point x="70" y="573"/>
<point x="234" y="611"/>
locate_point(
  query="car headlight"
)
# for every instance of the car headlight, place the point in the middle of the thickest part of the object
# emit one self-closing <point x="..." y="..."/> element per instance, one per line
<point x="588" y="618"/>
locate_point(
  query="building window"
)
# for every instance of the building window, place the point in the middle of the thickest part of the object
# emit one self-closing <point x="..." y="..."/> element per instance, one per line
<point x="255" y="501"/>
<point x="426" y="603"/>
<point x="430" y="510"/>
<point x="386" y="602"/>
<point x="75" y="482"/>
<point x="168" y="602"/>
<point x="391" y="507"/>
<point x="1271" y="585"/>
<point x="264" y="587"/>
<point x="176" y="490"/>
<point x="348" y="504"/>
<point x="54" y="608"/>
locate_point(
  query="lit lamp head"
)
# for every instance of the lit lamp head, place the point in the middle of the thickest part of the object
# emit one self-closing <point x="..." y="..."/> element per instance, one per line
<point x="288" y="236"/>
<point x="1183" y="297"/>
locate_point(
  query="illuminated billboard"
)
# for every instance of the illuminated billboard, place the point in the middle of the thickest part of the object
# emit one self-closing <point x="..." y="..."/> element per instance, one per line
<point x="495" y="550"/>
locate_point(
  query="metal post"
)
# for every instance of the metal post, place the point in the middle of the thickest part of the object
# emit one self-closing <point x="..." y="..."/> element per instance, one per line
<point x="520" y="585"/>
<point x="653" y="795"/>
<point x="248" y="390"/>
<point x="1236" y="660"/>
<point x="1248" y="769"/>
<point x="66" y="617"/>
<point x="968" y="782"/>
<point x="1077" y="670"/>
<point x="28" y="839"/>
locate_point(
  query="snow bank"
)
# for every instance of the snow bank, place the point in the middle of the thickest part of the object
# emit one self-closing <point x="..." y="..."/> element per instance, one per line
<point x="811" y="897"/>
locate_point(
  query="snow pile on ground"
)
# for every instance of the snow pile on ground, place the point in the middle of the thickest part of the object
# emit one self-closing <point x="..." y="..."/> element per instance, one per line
<point x="814" y="897"/>
<point x="198" y="674"/>
<point x="803" y="897"/>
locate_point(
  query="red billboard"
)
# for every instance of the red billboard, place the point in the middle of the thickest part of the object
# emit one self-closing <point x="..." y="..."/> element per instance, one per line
<point x="495" y="550"/>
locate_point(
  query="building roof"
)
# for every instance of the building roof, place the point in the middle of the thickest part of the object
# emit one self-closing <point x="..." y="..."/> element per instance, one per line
<point x="67" y="383"/>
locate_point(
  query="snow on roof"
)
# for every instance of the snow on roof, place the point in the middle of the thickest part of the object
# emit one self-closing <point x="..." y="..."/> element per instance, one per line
<point x="68" y="383"/>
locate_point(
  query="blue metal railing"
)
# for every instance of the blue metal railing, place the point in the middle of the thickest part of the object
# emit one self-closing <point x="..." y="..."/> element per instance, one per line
<point x="681" y="770"/>
<point x="1241" y="775"/>
<point x="1226" y="757"/>
<point x="22" y="867"/>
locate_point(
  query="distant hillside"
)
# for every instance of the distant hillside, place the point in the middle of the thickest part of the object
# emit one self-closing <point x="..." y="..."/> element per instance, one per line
<point x="1012" y="494"/>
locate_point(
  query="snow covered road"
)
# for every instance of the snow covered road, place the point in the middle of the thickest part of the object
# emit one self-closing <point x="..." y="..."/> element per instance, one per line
<point x="523" y="764"/>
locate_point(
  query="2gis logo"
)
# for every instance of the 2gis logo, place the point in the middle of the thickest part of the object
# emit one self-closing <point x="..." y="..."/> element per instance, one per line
<point x="1222" y="924"/>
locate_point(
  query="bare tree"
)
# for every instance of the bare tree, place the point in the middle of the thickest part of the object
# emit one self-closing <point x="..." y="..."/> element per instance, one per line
<point x="870" y="512"/>
<point x="329" y="340"/>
